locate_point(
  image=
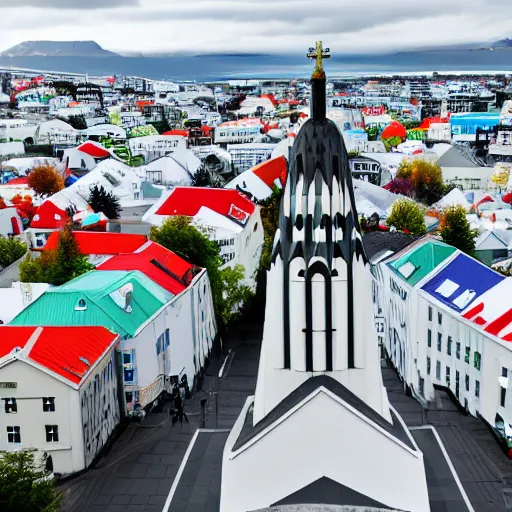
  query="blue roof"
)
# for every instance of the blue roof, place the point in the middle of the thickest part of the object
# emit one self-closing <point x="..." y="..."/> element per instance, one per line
<point x="461" y="282"/>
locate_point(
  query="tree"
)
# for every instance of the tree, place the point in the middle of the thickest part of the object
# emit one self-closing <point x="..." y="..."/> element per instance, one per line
<point x="426" y="179"/>
<point x="203" y="178"/>
<point x="11" y="250"/>
<point x="77" y="122"/>
<point x="407" y="216"/>
<point x="45" y="180"/>
<point x="235" y="294"/>
<point x="193" y="245"/>
<point x="25" y="486"/>
<point x="102" y="201"/>
<point x="455" y="229"/>
<point x="58" y="266"/>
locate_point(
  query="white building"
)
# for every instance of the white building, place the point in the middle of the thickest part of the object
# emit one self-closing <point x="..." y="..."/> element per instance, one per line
<point x="228" y="217"/>
<point x="444" y="319"/>
<point x="58" y="392"/>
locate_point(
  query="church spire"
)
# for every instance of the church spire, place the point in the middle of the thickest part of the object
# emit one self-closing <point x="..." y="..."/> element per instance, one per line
<point x="318" y="81"/>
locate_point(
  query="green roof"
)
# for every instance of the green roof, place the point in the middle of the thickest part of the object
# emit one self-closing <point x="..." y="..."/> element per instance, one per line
<point x="62" y="306"/>
<point x="421" y="261"/>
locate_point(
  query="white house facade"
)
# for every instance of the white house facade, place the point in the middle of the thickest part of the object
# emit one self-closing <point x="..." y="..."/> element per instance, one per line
<point x="63" y="404"/>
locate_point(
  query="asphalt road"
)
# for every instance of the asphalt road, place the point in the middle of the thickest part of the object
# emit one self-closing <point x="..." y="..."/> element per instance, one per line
<point x="140" y="469"/>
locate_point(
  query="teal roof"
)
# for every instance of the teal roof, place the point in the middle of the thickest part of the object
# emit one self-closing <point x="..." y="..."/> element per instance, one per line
<point x="421" y="260"/>
<point x="61" y="306"/>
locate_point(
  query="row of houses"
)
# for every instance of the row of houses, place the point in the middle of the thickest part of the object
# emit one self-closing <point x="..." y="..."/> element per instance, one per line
<point x="445" y="321"/>
<point x="81" y="356"/>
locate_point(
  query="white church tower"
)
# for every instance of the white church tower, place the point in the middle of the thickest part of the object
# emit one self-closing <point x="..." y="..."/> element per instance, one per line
<point x="320" y="429"/>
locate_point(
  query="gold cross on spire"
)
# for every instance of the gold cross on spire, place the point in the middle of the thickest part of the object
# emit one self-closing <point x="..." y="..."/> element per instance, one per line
<point x="319" y="54"/>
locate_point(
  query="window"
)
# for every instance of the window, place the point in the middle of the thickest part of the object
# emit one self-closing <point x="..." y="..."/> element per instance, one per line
<point x="467" y="382"/>
<point x="429" y="338"/>
<point x="429" y="314"/>
<point x="422" y="386"/>
<point x="128" y="370"/>
<point x="439" y="318"/>
<point x="13" y="435"/>
<point x="438" y="370"/>
<point x="449" y="346"/>
<point x="10" y="405"/>
<point x="503" y="396"/>
<point x="468" y="353"/>
<point x="48" y="404"/>
<point x="477" y="388"/>
<point x="504" y="372"/>
<point x="457" y="350"/>
<point x="477" y="360"/>
<point x="52" y="433"/>
<point x="457" y="381"/>
<point x="81" y="306"/>
<point x="448" y="369"/>
<point x="439" y="341"/>
<point x="428" y="365"/>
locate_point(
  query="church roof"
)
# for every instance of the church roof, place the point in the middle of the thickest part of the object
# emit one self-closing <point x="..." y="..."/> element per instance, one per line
<point x="249" y="431"/>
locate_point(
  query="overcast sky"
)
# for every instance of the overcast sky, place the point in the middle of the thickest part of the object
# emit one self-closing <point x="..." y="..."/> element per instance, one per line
<point x="347" y="26"/>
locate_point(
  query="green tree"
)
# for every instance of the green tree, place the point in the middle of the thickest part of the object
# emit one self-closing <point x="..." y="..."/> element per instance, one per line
<point x="203" y="178"/>
<point x="58" y="266"/>
<point x="11" y="250"/>
<point x="31" y="271"/>
<point x="193" y="245"/>
<point x="455" y="229"/>
<point x="78" y="122"/>
<point x="25" y="486"/>
<point x="102" y="201"/>
<point x="235" y="294"/>
<point x="407" y="216"/>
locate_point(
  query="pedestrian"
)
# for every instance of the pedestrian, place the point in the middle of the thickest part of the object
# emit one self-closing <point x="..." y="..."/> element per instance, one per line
<point x="177" y="412"/>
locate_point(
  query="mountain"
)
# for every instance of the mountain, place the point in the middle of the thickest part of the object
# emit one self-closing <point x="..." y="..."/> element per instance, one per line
<point x="503" y="43"/>
<point x="58" y="49"/>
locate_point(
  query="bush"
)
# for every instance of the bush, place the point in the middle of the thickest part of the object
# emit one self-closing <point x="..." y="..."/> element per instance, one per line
<point x="25" y="485"/>
<point x="45" y="180"/>
<point x="56" y="267"/>
<point x="407" y="216"/>
<point x="455" y="229"/>
<point x="426" y="179"/>
<point x="78" y="122"/>
<point x="11" y="250"/>
<point x="179" y="236"/>
<point x="102" y="201"/>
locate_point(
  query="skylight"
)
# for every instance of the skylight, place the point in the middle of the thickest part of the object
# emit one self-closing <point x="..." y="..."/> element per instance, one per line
<point x="447" y="288"/>
<point x="464" y="299"/>
<point x="407" y="269"/>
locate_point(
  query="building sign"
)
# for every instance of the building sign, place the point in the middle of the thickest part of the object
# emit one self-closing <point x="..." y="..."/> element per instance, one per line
<point x="8" y="385"/>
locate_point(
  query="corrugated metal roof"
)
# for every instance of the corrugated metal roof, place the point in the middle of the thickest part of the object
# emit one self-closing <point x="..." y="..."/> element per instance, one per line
<point x="67" y="351"/>
<point x="99" y="290"/>
<point x="189" y="200"/>
<point x="159" y="264"/>
<point x="421" y="260"/>
<point x="15" y="338"/>
<point x="90" y="242"/>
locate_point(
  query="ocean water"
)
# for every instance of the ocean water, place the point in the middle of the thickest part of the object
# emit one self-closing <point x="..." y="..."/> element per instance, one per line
<point x="222" y="67"/>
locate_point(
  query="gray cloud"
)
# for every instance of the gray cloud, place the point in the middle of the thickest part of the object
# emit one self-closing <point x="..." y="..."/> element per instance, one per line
<point x="257" y="25"/>
<point x="70" y="4"/>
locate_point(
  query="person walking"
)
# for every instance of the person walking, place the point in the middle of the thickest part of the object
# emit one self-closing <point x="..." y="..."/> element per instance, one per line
<point x="178" y="412"/>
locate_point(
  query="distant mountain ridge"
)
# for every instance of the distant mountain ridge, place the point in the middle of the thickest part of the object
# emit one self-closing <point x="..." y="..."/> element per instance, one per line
<point x="58" y="49"/>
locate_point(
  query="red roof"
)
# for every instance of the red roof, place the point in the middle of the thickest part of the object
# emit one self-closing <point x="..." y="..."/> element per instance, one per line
<point x="91" y="242"/>
<point x="181" y="133"/>
<point x="158" y="263"/>
<point x="272" y="169"/>
<point x="189" y="200"/>
<point x="94" y="150"/>
<point x="67" y="351"/>
<point x="18" y="181"/>
<point x="49" y="216"/>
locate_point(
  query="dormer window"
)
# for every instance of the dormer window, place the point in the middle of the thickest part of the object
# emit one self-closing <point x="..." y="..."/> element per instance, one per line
<point x="81" y="306"/>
